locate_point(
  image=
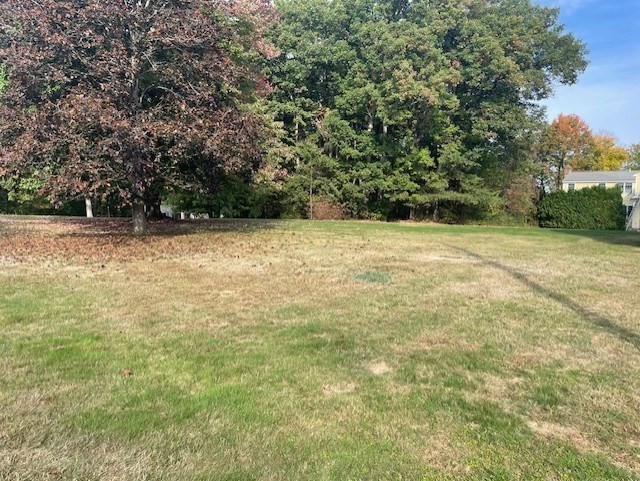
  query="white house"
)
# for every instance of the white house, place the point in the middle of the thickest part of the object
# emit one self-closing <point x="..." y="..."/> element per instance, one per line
<point x="628" y="181"/>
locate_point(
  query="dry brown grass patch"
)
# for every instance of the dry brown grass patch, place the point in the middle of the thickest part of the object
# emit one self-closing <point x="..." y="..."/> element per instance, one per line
<point x="338" y="389"/>
<point x="379" y="368"/>
<point x="569" y="434"/>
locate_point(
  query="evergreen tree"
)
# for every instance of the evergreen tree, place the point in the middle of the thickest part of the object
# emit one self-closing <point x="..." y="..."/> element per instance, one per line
<point x="423" y="106"/>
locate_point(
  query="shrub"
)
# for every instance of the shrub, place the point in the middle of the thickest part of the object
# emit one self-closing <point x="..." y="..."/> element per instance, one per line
<point x="324" y="209"/>
<point x="595" y="208"/>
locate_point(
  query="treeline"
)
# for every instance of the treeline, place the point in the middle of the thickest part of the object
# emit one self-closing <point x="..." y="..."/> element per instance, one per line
<point x="377" y="109"/>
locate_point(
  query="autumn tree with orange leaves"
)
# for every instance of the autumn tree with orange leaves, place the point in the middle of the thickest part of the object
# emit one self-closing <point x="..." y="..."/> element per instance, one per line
<point x="567" y="142"/>
<point x="122" y="98"/>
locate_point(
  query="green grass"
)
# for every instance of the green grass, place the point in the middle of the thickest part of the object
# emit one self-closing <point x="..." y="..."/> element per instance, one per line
<point x="374" y="277"/>
<point x="317" y="351"/>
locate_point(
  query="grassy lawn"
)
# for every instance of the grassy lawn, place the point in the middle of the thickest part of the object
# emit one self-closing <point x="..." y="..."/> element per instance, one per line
<point x="251" y="350"/>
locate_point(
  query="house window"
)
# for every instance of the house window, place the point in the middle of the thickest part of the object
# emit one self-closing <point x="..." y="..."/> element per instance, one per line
<point x="625" y="187"/>
<point x="602" y="184"/>
<point x="572" y="187"/>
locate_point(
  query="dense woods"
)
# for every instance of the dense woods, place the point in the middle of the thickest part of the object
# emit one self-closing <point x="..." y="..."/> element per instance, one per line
<point x="375" y="109"/>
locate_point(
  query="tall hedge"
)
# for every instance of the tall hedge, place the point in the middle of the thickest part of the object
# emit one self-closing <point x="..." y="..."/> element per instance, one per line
<point x="595" y="208"/>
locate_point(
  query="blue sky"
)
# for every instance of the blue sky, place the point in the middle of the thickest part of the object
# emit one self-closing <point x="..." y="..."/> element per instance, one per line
<point x="607" y="95"/>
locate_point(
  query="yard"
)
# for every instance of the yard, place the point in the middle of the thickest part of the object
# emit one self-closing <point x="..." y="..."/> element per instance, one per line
<point x="289" y="350"/>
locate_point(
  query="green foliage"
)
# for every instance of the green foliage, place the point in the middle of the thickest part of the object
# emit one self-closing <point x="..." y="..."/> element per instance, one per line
<point x="23" y="196"/>
<point x="589" y="209"/>
<point x="3" y="78"/>
<point x="4" y="200"/>
<point x="385" y="108"/>
<point x="414" y="108"/>
<point x="520" y="199"/>
<point x="634" y="157"/>
<point x="234" y="197"/>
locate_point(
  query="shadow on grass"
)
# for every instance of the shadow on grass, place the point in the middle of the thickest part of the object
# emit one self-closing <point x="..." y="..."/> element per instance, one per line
<point x="609" y="237"/>
<point x="594" y="318"/>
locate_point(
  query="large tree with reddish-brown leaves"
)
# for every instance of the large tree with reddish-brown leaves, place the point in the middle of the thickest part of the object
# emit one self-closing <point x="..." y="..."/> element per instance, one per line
<point x="122" y="97"/>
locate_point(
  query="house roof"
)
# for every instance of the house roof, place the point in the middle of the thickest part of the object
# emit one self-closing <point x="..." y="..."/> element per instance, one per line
<point x="602" y="176"/>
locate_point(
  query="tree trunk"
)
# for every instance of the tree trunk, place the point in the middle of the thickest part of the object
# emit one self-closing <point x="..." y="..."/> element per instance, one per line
<point x="139" y="218"/>
<point x="154" y="211"/>
<point x="4" y="201"/>
<point x="311" y="196"/>
<point x="88" y="207"/>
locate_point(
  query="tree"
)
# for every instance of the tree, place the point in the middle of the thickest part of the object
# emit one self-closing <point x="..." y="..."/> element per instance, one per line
<point x="423" y="105"/>
<point x="123" y="97"/>
<point x="567" y="142"/>
<point x="634" y="157"/>
<point x="605" y="154"/>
